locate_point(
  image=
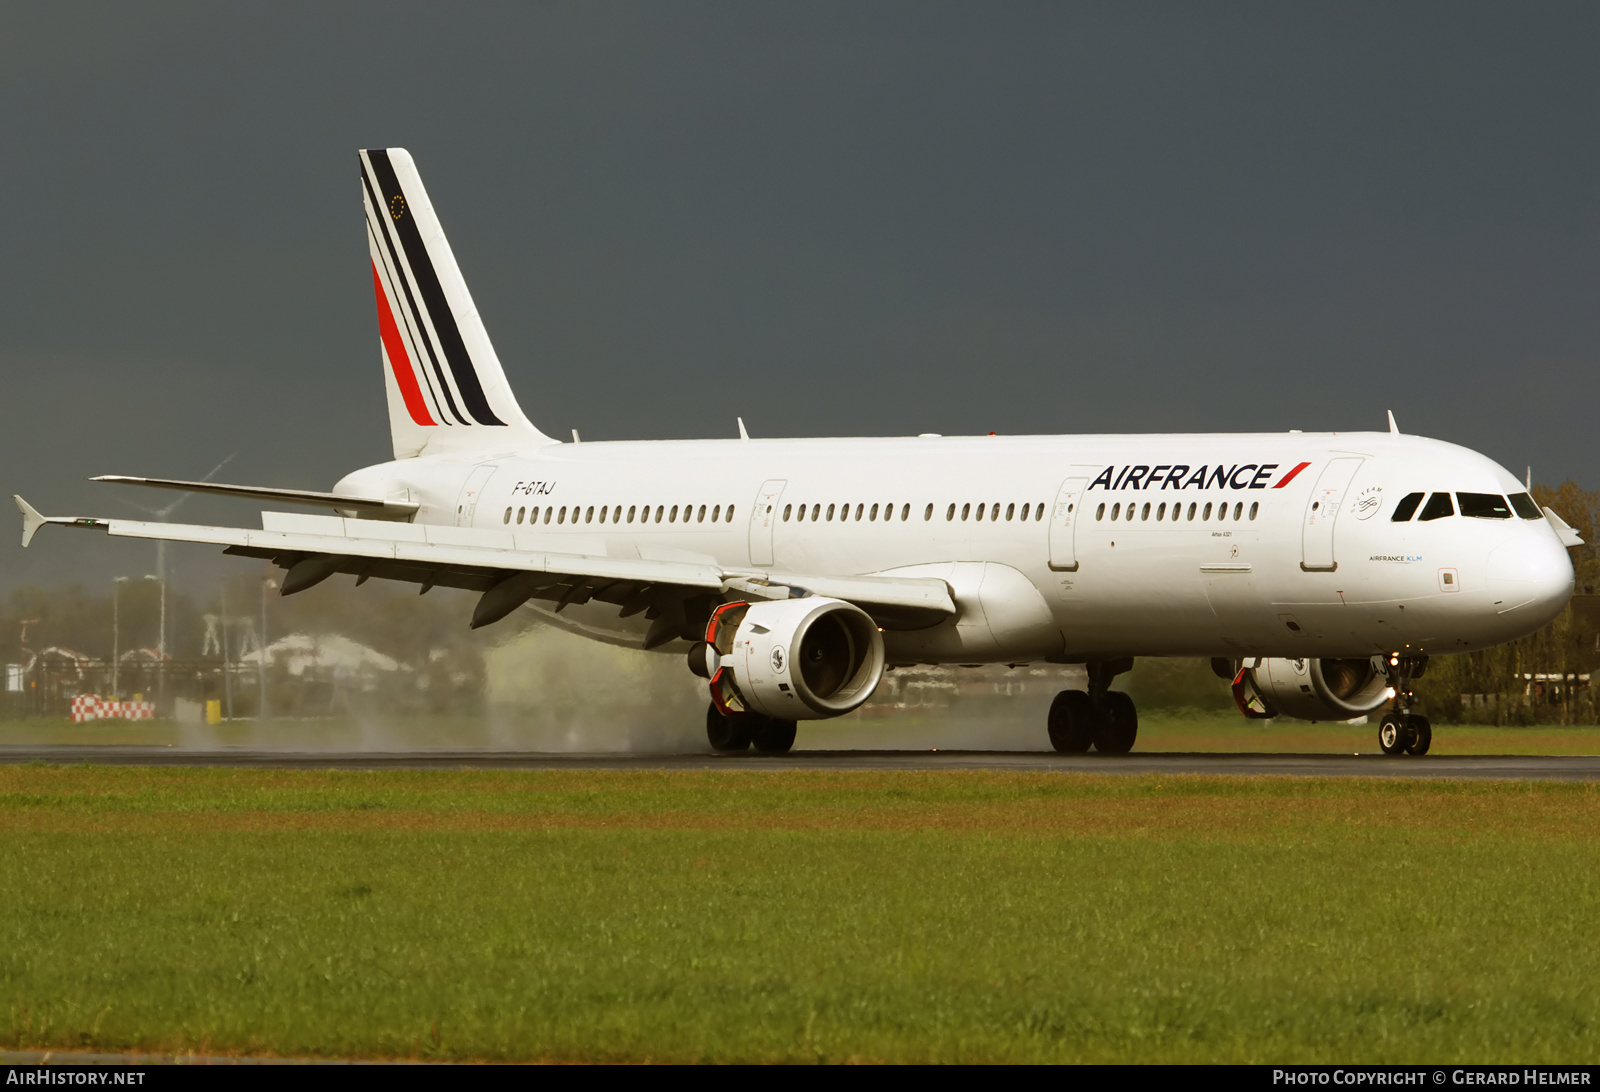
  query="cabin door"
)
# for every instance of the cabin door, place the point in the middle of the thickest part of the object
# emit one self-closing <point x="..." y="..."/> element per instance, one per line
<point x="1063" y="525"/>
<point x="1322" y="510"/>
<point x="762" y="518"/>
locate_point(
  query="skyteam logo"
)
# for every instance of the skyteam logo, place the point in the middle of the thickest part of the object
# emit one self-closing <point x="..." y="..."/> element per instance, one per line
<point x="1219" y="476"/>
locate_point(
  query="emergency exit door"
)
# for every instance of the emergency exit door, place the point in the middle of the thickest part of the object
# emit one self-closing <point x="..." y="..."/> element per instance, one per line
<point x="1063" y="525"/>
<point x="762" y="518"/>
<point x="467" y="502"/>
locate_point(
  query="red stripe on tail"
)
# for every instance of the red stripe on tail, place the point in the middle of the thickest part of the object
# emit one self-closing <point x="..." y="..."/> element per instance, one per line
<point x="399" y="362"/>
<point x="1289" y="477"/>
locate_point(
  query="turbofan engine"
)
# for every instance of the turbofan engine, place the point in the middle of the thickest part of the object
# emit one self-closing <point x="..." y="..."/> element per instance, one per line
<point x="1314" y="689"/>
<point x="792" y="659"/>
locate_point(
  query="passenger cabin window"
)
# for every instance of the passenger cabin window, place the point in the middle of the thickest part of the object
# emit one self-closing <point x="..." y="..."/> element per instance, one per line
<point x="1483" y="505"/>
<point x="1406" y="508"/>
<point x="1438" y="507"/>
<point x="1525" y="506"/>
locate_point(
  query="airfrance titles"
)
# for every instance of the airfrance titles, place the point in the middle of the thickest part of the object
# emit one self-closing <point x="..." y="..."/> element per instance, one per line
<point x="1220" y="476"/>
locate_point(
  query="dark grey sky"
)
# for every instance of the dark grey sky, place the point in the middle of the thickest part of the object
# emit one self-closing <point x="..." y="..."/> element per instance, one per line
<point x="830" y="218"/>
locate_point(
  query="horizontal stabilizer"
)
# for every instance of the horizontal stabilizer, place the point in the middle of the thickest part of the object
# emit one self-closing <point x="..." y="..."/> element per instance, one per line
<point x="366" y="507"/>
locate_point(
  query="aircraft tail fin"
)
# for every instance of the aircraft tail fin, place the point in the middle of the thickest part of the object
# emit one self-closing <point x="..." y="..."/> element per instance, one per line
<point x="446" y="389"/>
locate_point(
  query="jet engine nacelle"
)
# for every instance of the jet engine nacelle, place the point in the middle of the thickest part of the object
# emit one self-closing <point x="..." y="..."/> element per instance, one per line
<point x="791" y="659"/>
<point x="1321" y="689"/>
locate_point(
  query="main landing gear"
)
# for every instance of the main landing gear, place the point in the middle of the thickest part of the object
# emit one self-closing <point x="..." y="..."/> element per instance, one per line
<point x="1099" y="717"/>
<point x="739" y="732"/>
<point x="1401" y="731"/>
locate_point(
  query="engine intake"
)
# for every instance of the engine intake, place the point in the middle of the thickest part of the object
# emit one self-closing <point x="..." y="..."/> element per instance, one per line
<point x="794" y="659"/>
<point x="1320" y="689"/>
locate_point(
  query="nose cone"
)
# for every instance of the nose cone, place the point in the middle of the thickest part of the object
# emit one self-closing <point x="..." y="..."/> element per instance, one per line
<point x="1530" y="578"/>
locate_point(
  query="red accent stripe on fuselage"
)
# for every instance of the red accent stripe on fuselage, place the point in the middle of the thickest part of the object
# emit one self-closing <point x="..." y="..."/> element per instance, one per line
<point x="1289" y="477"/>
<point x="399" y="362"/>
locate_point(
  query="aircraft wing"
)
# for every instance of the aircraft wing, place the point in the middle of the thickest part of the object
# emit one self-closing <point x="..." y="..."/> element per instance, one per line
<point x="511" y="567"/>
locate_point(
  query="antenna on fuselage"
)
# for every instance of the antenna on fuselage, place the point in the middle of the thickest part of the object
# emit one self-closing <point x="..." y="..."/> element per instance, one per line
<point x="576" y="438"/>
<point x="1394" y="428"/>
<point x="1528" y="481"/>
<point x="743" y="435"/>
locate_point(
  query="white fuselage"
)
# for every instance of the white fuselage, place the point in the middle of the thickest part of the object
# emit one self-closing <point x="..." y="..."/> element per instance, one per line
<point x="1234" y="555"/>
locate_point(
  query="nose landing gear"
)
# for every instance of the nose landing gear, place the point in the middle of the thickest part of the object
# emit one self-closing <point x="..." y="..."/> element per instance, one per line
<point x="1401" y="731"/>
<point x="1100" y="717"/>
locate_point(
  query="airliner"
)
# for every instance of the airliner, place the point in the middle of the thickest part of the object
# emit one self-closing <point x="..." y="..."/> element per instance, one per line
<point x="1317" y="571"/>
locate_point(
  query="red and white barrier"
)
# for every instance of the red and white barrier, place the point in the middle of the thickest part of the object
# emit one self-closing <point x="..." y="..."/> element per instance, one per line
<point x="93" y="707"/>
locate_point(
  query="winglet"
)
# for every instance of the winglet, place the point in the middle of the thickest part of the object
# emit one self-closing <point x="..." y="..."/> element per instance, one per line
<point x="1394" y="428"/>
<point x="31" y="520"/>
<point x="1564" y="531"/>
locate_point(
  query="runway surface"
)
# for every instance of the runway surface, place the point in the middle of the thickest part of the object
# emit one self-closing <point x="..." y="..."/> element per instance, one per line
<point x="1504" y="767"/>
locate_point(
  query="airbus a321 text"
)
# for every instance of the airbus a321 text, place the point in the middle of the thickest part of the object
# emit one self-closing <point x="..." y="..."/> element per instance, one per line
<point x="1318" y="571"/>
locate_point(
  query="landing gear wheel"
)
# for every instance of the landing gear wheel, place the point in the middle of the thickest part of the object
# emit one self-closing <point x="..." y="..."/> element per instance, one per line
<point x="731" y="734"/>
<point x="1392" y="734"/>
<point x="1071" y="723"/>
<point x="773" y="737"/>
<point x="1419" y="734"/>
<point x="1118" y="726"/>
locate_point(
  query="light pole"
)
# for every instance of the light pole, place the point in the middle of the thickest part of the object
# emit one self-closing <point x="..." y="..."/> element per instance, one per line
<point x="227" y="668"/>
<point x="116" y="630"/>
<point x="267" y="584"/>
<point x="161" y="574"/>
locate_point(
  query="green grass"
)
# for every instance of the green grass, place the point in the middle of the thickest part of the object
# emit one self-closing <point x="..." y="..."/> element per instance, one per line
<point x="725" y="916"/>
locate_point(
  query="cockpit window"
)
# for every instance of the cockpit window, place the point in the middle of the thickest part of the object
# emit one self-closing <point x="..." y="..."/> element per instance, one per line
<point x="1438" y="507"/>
<point x="1484" y="505"/>
<point x="1525" y="506"/>
<point x="1406" y="508"/>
